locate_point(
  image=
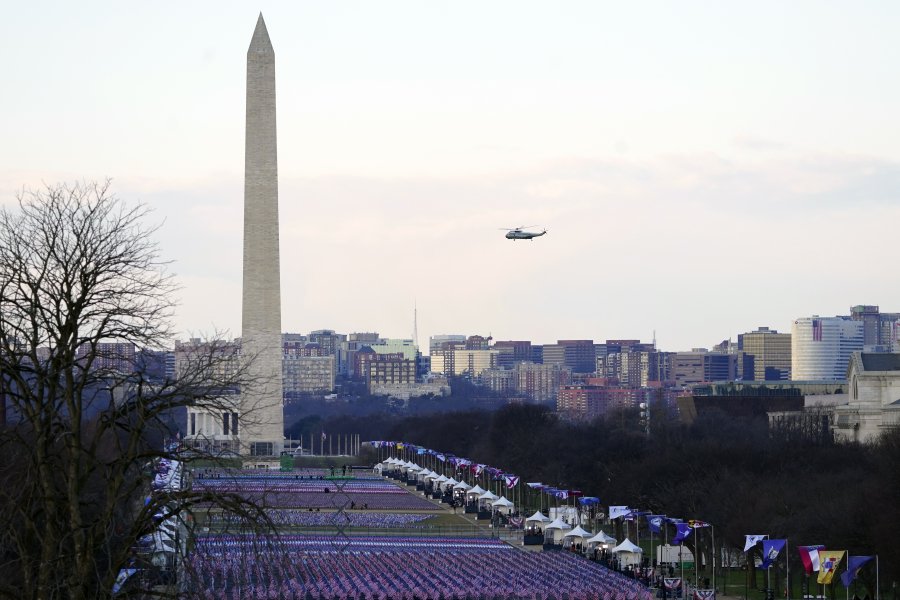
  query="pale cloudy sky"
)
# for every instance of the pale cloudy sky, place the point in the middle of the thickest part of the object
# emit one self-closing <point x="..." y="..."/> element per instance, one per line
<point x="704" y="168"/>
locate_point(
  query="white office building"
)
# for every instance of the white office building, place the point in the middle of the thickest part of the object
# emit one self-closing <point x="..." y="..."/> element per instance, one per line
<point x="821" y="347"/>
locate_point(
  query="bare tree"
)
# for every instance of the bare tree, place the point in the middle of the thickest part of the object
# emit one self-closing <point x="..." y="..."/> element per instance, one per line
<point x="82" y="283"/>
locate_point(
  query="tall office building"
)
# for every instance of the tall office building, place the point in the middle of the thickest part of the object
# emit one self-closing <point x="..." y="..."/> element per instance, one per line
<point x="261" y="412"/>
<point x="577" y="355"/>
<point x="821" y="347"/>
<point x="690" y="368"/>
<point x="771" y="353"/>
<point x="880" y="330"/>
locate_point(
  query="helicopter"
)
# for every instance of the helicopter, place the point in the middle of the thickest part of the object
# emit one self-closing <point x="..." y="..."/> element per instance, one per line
<point x="519" y="233"/>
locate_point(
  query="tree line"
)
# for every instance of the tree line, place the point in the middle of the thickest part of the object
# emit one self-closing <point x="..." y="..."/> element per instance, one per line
<point x="735" y="473"/>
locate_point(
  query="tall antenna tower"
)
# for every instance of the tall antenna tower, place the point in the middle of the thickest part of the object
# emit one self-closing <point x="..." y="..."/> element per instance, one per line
<point x="654" y="339"/>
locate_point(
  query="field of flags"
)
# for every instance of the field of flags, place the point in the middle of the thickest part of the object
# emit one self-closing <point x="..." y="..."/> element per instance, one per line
<point x="382" y="568"/>
<point x="377" y="564"/>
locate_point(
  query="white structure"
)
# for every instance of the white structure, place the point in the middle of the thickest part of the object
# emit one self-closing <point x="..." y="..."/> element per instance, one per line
<point x="821" y="347"/>
<point x="873" y="405"/>
<point x="262" y="416"/>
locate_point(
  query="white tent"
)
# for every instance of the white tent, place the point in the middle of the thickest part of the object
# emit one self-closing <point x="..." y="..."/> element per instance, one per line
<point x="535" y="522"/>
<point x="486" y="499"/>
<point x="553" y="532"/>
<point x="576" y="538"/>
<point x="441" y="479"/>
<point x="578" y="532"/>
<point x="431" y="475"/>
<point x="449" y="483"/>
<point x="538" y="519"/>
<point x="628" y="553"/>
<point x="462" y="485"/>
<point x="602" y="538"/>
<point x="476" y="491"/>
<point x="503" y="505"/>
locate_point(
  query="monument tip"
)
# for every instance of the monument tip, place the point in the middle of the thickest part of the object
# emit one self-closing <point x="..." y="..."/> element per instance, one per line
<point x="260" y="40"/>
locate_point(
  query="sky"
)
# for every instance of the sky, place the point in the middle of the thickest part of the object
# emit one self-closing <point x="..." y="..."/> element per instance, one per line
<point x="703" y="168"/>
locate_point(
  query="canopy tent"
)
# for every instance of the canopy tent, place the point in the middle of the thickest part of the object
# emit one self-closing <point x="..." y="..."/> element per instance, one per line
<point x="432" y="475"/>
<point x="628" y="553"/>
<point x="553" y="533"/>
<point x="538" y="518"/>
<point x="503" y="505"/>
<point x="462" y="485"/>
<point x="449" y="483"/>
<point x="578" y="532"/>
<point x="535" y="522"/>
<point x="576" y="538"/>
<point x="476" y="491"/>
<point x="486" y="500"/>
<point x="602" y="538"/>
<point x="440" y="479"/>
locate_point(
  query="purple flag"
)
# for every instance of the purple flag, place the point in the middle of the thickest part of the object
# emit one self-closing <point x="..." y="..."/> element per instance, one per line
<point x="654" y="522"/>
<point x="683" y="530"/>
<point x="771" y="549"/>
<point x="854" y="564"/>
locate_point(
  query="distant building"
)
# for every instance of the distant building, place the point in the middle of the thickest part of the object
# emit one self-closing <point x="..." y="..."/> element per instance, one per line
<point x="477" y="342"/>
<point x="432" y="386"/>
<point x="577" y="355"/>
<point x="690" y="368"/>
<point x="541" y="383"/>
<point x="502" y="381"/>
<point x="407" y="348"/>
<point x="873" y="405"/>
<point x="117" y="357"/>
<point x="212" y="431"/>
<point x="881" y="331"/>
<point x="347" y="364"/>
<point x="438" y="342"/>
<point x="821" y="347"/>
<point x="390" y="369"/>
<point x="512" y="352"/>
<point x="636" y="368"/>
<point x="331" y="342"/>
<point x="771" y="352"/>
<point x="586" y="402"/>
<point x="307" y="374"/>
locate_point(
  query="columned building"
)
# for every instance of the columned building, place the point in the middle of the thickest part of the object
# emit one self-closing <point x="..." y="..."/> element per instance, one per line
<point x="874" y="397"/>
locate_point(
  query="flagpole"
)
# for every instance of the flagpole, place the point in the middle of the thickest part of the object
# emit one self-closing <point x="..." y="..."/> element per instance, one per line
<point x="787" y="568"/>
<point x="877" y="582"/>
<point x="712" y="529"/>
<point x="847" y="568"/>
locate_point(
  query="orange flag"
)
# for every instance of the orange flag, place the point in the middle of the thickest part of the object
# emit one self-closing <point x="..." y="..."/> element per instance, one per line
<point x="828" y="564"/>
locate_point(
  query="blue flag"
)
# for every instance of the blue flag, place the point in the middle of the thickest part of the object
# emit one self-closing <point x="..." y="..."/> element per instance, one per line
<point x="771" y="549"/>
<point x="854" y="564"/>
<point x="654" y="522"/>
<point x="683" y="530"/>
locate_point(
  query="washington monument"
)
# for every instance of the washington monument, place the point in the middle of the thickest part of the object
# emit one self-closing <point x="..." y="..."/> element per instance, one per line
<point x="261" y="401"/>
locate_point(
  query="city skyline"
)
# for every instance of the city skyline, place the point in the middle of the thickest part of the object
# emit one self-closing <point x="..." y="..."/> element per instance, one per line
<point x="703" y="172"/>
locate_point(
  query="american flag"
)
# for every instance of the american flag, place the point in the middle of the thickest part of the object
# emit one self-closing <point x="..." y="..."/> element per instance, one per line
<point x="817" y="330"/>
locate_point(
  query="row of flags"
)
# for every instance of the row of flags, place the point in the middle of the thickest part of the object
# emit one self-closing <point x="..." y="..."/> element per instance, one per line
<point x="458" y="463"/>
<point x="815" y="559"/>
